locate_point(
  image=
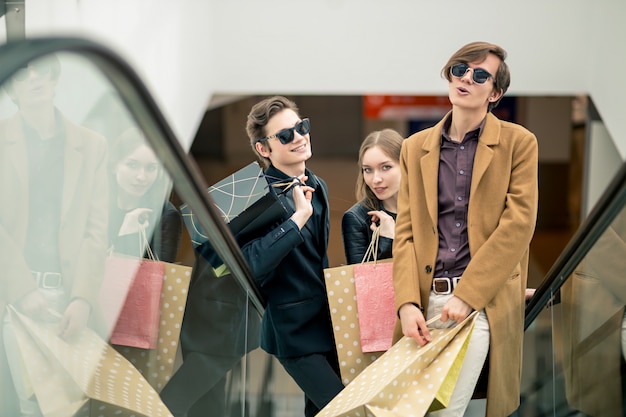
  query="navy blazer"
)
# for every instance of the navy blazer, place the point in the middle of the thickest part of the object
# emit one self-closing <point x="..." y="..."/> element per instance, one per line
<point x="290" y="277"/>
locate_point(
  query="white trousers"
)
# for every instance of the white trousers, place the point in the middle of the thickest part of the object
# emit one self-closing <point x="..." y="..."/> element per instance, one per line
<point x="474" y="357"/>
<point x="29" y="407"/>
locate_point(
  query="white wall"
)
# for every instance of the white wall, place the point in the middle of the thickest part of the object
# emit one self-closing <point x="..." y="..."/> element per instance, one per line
<point x="603" y="163"/>
<point x="189" y="50"/>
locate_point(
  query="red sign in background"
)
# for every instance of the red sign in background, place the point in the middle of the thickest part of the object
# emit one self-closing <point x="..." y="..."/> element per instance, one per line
<point x="424" y="108"/>
<point x="405" y="107"/>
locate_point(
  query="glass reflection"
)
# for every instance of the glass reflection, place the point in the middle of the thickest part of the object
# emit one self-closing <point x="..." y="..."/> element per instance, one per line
<point x="138" y="201"/>
<point x="93" y="300"/>
<point x="77" y="202"/>
<point x="219" y="329"/>
<point x="594" y="326"/>
<point x="53" y="240"/>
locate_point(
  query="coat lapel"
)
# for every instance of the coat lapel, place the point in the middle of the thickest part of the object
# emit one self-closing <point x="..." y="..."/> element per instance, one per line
<point x="430" y="171"/>
<point x="17" y="178"/>
<point x="16" y="153"/>
<point x="484" y="153"/>
<point x="73" y="163"/>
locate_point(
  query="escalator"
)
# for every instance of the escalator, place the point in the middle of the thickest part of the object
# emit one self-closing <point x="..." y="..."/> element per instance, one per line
<point x="575" y="333"/>
<point x="88" y="167"/>
<point x="574" y="349"/>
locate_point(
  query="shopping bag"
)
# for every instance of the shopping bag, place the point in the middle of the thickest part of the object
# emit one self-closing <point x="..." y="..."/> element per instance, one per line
<point x="246" y="203"/>
<point x="341" y="293"/>
<point x="157" y="365"/>
<point x="407" y="379"/>
<point x="375" y="299"/>
<point x="66" y="374"/>
<point x="130" y="297"/>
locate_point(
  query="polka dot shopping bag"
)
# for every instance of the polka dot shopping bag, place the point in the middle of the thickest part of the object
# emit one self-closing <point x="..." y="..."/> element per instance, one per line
<point x="407" y="380"/>
<point x="66" y="374"/>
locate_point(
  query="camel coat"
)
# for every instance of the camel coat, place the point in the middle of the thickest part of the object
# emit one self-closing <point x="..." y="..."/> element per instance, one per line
<point x="83" y="227"/>
<point x="501" y="220"/>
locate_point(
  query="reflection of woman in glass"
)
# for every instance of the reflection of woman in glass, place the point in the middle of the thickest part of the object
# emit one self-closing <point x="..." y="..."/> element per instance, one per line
<point x="139" y="202"/>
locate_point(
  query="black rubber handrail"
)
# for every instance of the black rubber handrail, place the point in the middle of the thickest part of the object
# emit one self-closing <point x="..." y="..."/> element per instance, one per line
<point x="189" y="183"/>
<point x="609" y="205"/>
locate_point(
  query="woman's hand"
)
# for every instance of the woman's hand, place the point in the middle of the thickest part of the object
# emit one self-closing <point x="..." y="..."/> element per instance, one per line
<point x="302" y="196"/>
<point x="134" y="220"/>
<point x="386" y="222"/>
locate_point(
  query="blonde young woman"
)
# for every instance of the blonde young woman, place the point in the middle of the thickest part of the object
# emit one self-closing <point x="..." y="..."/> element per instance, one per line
<point x="377" y="195"/>
<point x="138" y="198"/>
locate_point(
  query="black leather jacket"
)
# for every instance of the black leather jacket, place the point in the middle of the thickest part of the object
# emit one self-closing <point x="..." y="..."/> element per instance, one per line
<point x="357" y="235"/>
<point x="165" y="239"/>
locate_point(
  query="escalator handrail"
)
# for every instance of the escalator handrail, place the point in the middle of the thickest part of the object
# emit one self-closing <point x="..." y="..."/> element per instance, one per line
<point x="601" y="216"/>
<point x="190" y="185"/>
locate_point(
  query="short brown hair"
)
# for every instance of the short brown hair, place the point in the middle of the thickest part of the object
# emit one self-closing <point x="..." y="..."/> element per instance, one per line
<point x="259" y="117"/>
<point x="390" y="142"/>
<point x="477" y="52"/>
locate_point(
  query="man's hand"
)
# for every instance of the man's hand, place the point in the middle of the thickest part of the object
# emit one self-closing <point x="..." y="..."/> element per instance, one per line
<point x="455" y="309"/>
<point x="33" y="305"/>
<point x="75" y="318"/>
<point x="414" y="324"/>
<point x="302" y="196"/>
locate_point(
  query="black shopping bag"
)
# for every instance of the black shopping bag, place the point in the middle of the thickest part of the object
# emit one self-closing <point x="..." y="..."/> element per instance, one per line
<point x="246" y="202"/>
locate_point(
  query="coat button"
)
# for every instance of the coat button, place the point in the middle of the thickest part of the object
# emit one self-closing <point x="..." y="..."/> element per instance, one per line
<point x="429" y="269"/>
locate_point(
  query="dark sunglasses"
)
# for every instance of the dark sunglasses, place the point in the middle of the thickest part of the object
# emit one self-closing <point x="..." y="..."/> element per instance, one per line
<point x="479" y="75"/>
<point x="286" y="136"/>
<point x="40" y="67"/>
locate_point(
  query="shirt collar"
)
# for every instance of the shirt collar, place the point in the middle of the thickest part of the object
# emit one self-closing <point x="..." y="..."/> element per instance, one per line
<point x="274" y="174"/>
<point x="474" y="134"/>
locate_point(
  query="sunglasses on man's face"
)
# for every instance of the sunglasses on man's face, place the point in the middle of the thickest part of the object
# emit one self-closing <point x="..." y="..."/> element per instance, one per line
<point x="39" y="67"/>
<point x="286" y="136"/>
<point x="479" y="75"/>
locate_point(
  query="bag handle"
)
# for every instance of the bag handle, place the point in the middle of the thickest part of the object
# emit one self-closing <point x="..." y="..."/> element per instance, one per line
<point x="372" y="249"/>
<point x="143" y="240"/>
<point x="287" y="185"/>
<point x="438" y="316"/>
<point x="434" y="319"/>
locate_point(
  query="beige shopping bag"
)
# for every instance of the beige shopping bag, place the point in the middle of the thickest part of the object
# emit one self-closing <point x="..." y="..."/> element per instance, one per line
<point x="66" y="374"/>
<point x="340" y="289"/>
<point x="407" y="380"/>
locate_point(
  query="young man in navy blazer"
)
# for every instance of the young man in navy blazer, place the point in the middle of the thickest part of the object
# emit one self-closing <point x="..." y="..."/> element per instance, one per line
<point x="288" y="262"/>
